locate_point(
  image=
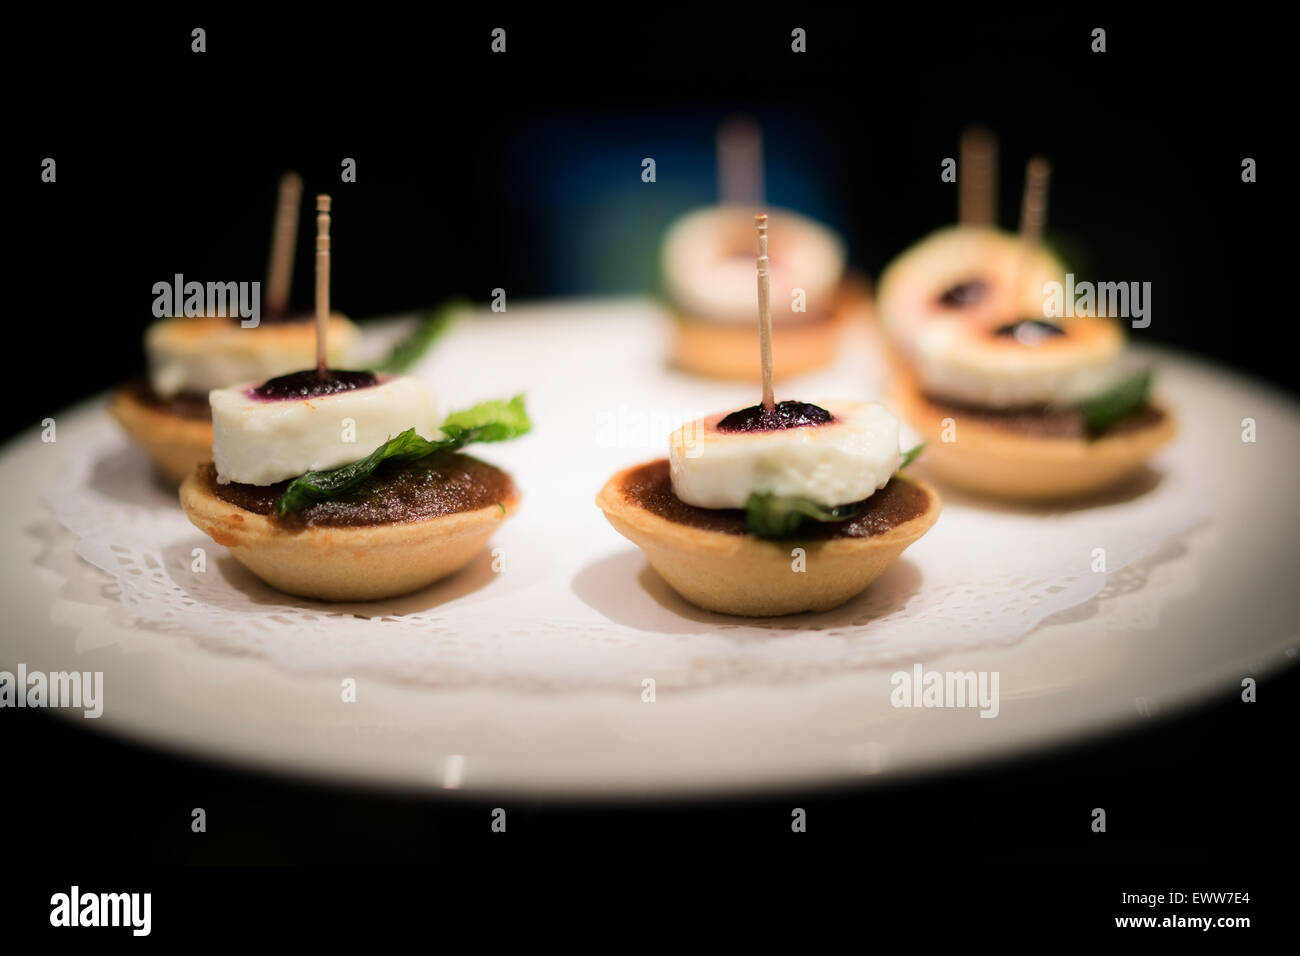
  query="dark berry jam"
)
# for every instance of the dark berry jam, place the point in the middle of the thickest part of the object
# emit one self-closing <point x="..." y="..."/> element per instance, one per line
<point x="756" y="418"/>
<point x="965" y="294"/>
<point x="1029" y="331"/>
<point x="313" y="383"/>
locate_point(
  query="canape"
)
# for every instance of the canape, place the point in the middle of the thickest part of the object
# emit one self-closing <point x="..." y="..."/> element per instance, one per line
<point x="760" y="514"/>
<point x="322" y="485"/>
<point x="777" y="508"/>
<point x="300" y="499"/>
<point x="974" y="269"/>
<point x="1015" y="402"/>
<point x="709" y="283"/>
<point x="1030" y="409"/>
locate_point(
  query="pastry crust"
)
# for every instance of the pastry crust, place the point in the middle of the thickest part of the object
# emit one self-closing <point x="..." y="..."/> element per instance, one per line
<point x="1003" y="463"/>
<point x="722" y="351"/>
<point x="348" y="563"/>
<point x="726" y="350"/>
<point x="749" y="576"/>
<point x="177" y="445"/>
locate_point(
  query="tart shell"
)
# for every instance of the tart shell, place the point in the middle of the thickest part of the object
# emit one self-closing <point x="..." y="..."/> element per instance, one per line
<point x="744" y="575"/>
<point x="344" y="563"/>
<point x="176" y="445"/>
<point x="1001" y="463"/>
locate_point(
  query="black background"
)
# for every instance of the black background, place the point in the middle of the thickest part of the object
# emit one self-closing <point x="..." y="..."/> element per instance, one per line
<point x="168" y="160"/>
<point x="167" y="163"/>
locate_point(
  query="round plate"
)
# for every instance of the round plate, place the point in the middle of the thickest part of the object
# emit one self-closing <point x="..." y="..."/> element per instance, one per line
<point x="1194" y="620"/>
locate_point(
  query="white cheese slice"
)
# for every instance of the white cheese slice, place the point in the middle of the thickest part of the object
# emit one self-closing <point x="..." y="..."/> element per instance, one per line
<point x="836" y="463"/>
<point x="260" y="442"/>
<point x="963" y="361"/>
<point x="709" y="262"/>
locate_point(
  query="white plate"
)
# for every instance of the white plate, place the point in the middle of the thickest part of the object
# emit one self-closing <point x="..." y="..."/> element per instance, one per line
<point x="1207" y="611"/>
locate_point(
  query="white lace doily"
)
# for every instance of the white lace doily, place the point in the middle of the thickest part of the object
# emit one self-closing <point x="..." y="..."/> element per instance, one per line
<point x="576" y="606"/>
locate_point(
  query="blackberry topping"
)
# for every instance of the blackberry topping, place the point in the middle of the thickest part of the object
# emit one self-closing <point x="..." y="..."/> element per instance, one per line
<point x="965" y="294"/>
<point x="312" y="383"/>
<point x="784" y="415"/>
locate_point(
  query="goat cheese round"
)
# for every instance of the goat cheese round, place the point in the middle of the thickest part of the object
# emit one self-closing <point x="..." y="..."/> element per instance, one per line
<point x="1018" y="364"/>
<point x="259" y="441"/>
<point x="834" y="463"/>
<point x="709" y="262"/>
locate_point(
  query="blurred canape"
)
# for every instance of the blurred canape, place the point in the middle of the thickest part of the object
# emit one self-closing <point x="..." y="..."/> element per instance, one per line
<point x="1013" y="402"/>
<point x="709" y="278"/>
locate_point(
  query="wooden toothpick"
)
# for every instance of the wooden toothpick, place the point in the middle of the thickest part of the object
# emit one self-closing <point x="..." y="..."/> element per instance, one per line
<point x="322" y="277"/>
<point x="764" y="313"/>
<point x="977" y="178"/>
<point x="284" y="237"/>
<point x="1033" y="208"/>
<point x="1033" y="217"/>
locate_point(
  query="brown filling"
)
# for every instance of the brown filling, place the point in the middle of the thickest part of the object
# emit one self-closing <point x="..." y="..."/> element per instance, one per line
<point x="435" y="486"/>
<point x="650" y="487"/>
<point x="1042" y="422"/>
<point x="184" y="405"/>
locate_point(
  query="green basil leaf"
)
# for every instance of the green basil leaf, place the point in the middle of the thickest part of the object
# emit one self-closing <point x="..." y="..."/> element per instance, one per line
<point x="1102" y="411"/>
<point x="780" y="516"/>
<point x="911" y="455"/>
<point x="489" y="421"/>
<point x="431" y="327"/>
<point x="495" y="420"/>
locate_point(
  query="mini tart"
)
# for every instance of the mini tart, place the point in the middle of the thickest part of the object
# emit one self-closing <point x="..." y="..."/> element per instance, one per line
<point x="740" y="574"/>
<point x="725" y="350"/>
<point x="176" y="443"/>
<point x="331" y="562"/>
<point x="991" y="458"/>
